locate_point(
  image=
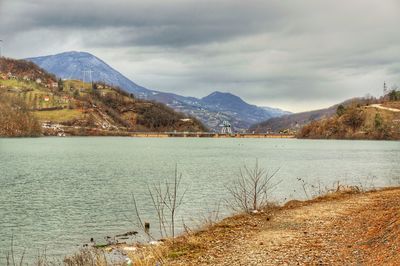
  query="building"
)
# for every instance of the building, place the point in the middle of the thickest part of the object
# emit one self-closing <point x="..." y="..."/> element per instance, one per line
<point x="11" y="76"/>
<point x="65" y="99"/>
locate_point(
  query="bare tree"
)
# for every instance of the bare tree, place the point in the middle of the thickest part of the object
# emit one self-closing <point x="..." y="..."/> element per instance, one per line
<point x="166" y="199"/>
<point x="252" y="188"/>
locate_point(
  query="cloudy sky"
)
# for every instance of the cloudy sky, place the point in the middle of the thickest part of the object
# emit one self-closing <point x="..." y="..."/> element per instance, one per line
<point x="296" y="55"/>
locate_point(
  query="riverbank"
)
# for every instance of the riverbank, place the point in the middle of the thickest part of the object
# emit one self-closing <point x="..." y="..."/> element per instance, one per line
<point x="61" y="130"/>
<point x="341" y="228"/>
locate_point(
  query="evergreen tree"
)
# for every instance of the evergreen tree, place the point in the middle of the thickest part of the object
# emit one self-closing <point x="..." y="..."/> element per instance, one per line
<point x="340" y="110"/>
<point x="60" y="85"/>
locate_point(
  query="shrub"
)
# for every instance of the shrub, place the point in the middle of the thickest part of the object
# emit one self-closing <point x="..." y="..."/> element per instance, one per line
<point x="252" y="188"/>
<point x="354" y="118"/>
<point x="15" y="119"/>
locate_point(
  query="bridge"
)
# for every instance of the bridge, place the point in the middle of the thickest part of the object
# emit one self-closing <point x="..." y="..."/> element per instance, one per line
<point x="208" y="135"/>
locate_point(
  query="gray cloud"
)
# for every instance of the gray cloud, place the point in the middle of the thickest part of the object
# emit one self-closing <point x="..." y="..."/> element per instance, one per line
<point x="295" y="55"/>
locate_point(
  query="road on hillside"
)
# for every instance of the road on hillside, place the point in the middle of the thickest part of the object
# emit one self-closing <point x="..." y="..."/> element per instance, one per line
<point x="379" y="106"/>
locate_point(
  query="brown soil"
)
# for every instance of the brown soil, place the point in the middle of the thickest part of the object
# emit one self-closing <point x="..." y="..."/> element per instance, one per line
<point x="338" y="229"/>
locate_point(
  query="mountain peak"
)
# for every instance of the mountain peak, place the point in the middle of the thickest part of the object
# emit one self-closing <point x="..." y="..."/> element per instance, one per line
<point x="211" y="110"/>
<point x="75" y="64"/>
<point x="75" y="53"/>
<point x="218" y="93"/>
<point x="218" y="97"/>
<point x="67" y="54"/>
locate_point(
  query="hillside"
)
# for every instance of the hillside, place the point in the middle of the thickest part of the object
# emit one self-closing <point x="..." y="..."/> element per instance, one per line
<point x="292" y="121"/>
<point x="75" y="65"/>
<point x="374" y="121"/>
<point x="16" y="120"/>
<point x="73" y="107"/>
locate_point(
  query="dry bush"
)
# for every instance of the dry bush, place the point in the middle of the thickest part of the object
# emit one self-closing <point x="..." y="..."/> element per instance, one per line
<point x="87" y="257"/>
<point x="166" y="199"/>
<point x="15" y="119"/>
<point x="252" y="189"/>
<point x="354" y="117"/>
<point x="354" y="123"/>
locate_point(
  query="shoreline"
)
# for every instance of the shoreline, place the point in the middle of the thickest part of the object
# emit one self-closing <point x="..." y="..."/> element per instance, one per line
<point x="336" y="229"/>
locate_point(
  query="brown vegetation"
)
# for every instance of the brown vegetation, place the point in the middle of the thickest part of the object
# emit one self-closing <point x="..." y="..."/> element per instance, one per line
<point x="293" y="122"/>
<point x="355" y="122"/>
<point x="344" y="227"/>
<point x="77" y="108"/>
<point x="15" y="119"/>
<point x="24" y="69"/>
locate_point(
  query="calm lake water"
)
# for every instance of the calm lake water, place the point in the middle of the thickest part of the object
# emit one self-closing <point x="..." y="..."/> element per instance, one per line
<point x="57" y="193"/>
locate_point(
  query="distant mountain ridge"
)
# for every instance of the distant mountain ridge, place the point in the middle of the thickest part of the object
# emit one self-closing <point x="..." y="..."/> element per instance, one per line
<point x="298" y="120"/>
<point x="292" y="121"/>
<point x="212" y="110"/>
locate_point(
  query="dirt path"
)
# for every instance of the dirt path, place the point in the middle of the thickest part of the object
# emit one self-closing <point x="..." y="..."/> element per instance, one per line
<point x="379" y="106"/>
<point x="356" y="229"/>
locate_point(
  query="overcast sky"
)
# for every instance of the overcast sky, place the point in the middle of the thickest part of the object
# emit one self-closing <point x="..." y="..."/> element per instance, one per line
<point x="296" y="55"/>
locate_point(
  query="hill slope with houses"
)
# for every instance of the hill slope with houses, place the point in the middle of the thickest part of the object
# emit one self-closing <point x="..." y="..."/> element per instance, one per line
<point x="71" y="107"/>
<point x="211" y="110"/>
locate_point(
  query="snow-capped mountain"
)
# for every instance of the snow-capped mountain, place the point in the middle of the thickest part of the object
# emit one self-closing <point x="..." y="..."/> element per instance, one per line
<point x="212" y="110"/>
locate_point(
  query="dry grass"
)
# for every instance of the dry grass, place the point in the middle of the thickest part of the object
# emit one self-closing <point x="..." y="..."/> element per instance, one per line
<point x="355" y="123"/>
<point x="395" y="104"/>
<point x="340" y="210"/>
<point x="58" y="115"/>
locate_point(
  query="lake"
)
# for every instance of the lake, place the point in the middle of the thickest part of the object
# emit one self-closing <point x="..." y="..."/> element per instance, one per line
<point x="57" y="193"/>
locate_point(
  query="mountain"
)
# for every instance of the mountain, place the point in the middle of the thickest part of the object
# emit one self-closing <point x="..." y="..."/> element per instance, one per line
<point x="298" y="120"/>
<point x="33" y="101"/>
<point x="212" y="110"/>
<point x="233" y="106"/>
<point x="76" y="65"/>
<point x="292" y="121"/>
<point x="275" y="112"/>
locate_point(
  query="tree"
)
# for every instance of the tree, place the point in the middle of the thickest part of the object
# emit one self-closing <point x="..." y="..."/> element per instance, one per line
<point x="252" y="189"/>
<point x="340" y="110"/>
<point x="15" y="118"/>
<point x="354" y="118"/>
<point x="166" y="199"/>
<point x="378" y="121"/>
<point x="394" y="95"/>
<point x="60" y="85"/>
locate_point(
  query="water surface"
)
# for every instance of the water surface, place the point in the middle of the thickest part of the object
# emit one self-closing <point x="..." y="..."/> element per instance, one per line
<point x="57" y="193"/>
